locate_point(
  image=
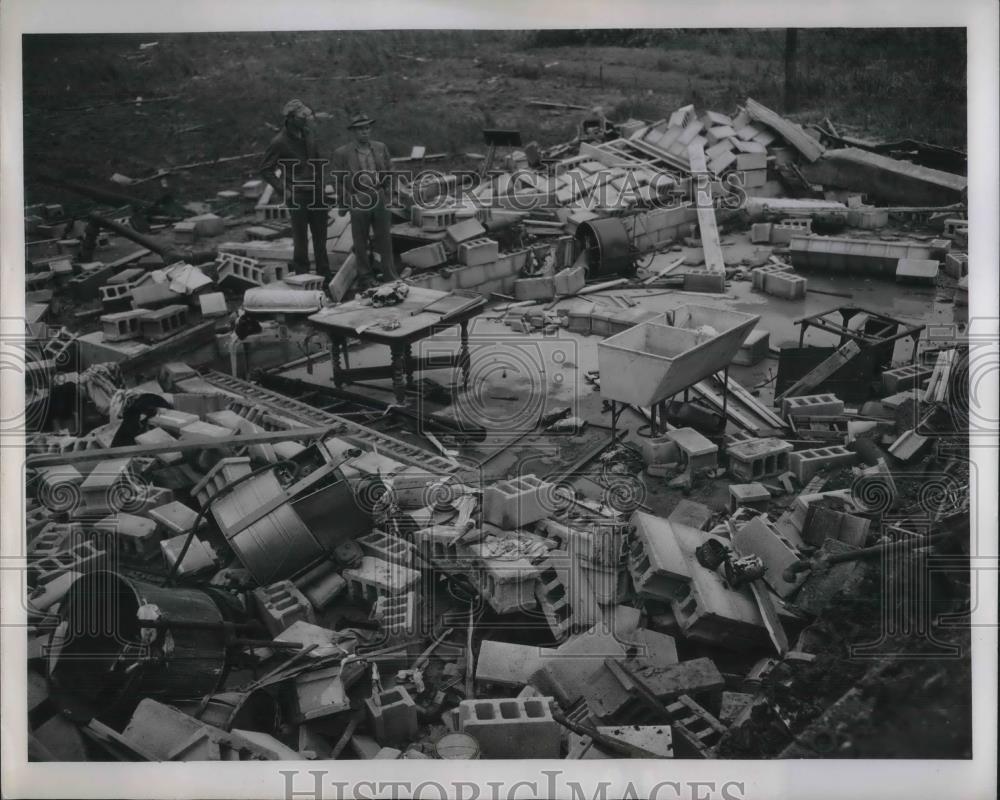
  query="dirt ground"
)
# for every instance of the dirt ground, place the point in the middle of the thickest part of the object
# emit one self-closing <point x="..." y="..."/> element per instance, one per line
<point x="135" y="104"/>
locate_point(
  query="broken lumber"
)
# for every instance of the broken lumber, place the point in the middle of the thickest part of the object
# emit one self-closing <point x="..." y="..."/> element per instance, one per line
<point x="707" y="226"/>
<point x="788" y="130"/>
<point x="821" y="371"/>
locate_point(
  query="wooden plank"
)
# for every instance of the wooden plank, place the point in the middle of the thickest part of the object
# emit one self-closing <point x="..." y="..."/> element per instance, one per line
<point x="207" y="442"/>
<point x="822" y="371"/>
<point x="707" y="226"/>
<point x="704" y="389"/>
<point x="789" y="131"/>
<point x="754" y="404"/>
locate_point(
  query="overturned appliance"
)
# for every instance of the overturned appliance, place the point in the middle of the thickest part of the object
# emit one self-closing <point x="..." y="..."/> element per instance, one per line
<point x="281" y="521"/>
<point x="119" y="640"/>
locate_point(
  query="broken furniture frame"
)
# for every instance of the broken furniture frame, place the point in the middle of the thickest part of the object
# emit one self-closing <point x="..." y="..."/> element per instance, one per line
<point x="879" y="330"/>
<point x="342" y="323"/>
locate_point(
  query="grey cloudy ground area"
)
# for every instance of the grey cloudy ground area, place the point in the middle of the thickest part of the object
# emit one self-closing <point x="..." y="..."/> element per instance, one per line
<point x="657" y="448"/>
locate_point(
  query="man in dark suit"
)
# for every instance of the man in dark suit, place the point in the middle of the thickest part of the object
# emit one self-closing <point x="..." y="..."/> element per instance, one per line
<point x="301" y="185"/>
<point x="363" y="170"/>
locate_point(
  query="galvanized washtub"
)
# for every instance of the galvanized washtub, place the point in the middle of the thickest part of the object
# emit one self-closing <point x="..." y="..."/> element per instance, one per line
<point x="655" y="360"/>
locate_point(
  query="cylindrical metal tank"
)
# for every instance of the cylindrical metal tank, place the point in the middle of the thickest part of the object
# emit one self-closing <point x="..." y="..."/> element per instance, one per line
<point x="606" y="243"/>
<point x="101" y="654"/>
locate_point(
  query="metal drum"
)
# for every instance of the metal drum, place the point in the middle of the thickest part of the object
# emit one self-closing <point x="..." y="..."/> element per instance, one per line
<point x="101" y="654"/>
<point x="606" y="243"/>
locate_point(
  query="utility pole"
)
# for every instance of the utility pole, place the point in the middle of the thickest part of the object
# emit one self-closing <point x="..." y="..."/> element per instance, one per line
<point x="791" y="52"/>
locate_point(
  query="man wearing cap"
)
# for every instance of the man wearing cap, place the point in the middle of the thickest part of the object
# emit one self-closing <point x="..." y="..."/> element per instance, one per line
<point x="363" y="171"/>
<point x="301" y="184"/>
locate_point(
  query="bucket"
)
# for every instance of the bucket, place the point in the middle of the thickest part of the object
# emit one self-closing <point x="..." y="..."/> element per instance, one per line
<point x="457" y="747"/>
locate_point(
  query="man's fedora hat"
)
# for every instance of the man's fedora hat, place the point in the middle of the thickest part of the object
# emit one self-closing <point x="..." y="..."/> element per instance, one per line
<point x="360" y="121"/>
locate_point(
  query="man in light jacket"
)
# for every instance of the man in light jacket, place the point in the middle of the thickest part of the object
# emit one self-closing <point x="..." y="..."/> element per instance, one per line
<point x="363" y="170"/>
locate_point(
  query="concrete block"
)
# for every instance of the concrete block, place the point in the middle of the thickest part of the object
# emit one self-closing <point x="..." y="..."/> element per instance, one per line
<point x="153" y="295"/>
<point x="199" y="556"/>
<point x="758" y="458"/>
<point x="962" y="292"/>
<point x="565" y="595"/>
<point x="953" y="226"/>
<point x="867" y="217"/>
<point x="704" y="280"/>
<point x="516" y="502"/>
<point x="759" y="538"/>
<point x="427" y="256"/>
<point x="321" y="585"/>
<point x="320" y="693"/>
<point x="760" y="232"/>
<point x="398" y="615"/>
<point x="172" y="421"/>
<point x="101" y="487"/>
<point x="758" y="275"/>
<point x="653" y="741"/>
<point x="137" y="538"/>
<point x="724" y="160"/>
<point x="163" y="323"/>
<point x="464" y="231"/>
<point x="755" y="348"/>
<point x="158" y="729"/>
<point x="751" y="161"/>
<point x="783" y="231"/>
<point x="508" y="664"/>
<point x="580" y="318"/>
<point x="956" y="265"/>
<point x="697" y="452"/>
<point x="542" y="288"/>
<point x="82" y="556"/>
<point x="393" y="716"/>
<point x="822" y="523"/>
<point x="608" y="701"/>
<point x="812" y="405"/>
<point x="786" y="285"/>
<point x="573" y="665"/>
<point x="569" y="281"/>
<point x="305" y="283"/>
<point x="807" y="463"/>
<point x="753" y="495"/>
<point x="512" y="728"/>
<point x="901" y="379"/>
<point x="691" y="513"/>
<point x="199" y="429"/>
<point x="505" y="582"/>
<point x="478" y="251"/>
<point x="917" y="270"/>
<point x="754" y="178"/>
<point x="121" y="326"/>
<point x="375" y="577"/>
<point x="659" y="450"/>
<point x="213" y="304"/>
<point x="223" y="473"/>
<point x="160" y="436"/>
<point x="656" y="563"/>
<point x="282" y="604"/>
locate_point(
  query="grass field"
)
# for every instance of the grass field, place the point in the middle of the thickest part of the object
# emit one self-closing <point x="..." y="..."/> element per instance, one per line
<point x="440" y="88"/>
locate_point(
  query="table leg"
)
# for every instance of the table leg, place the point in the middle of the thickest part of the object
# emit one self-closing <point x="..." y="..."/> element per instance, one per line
<point x="464" y="360"/>
<point x="399" y="373"/>
<point x="408" y="363"/>
<point x="335" y="346"/>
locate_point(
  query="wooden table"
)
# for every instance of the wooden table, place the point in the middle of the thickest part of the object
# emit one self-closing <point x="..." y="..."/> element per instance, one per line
<point x="350" y="320"/>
